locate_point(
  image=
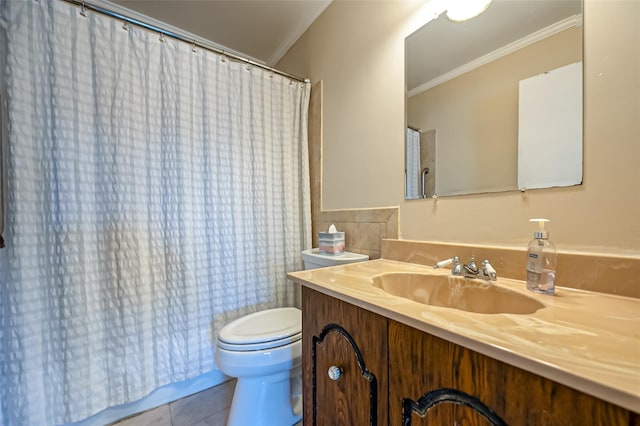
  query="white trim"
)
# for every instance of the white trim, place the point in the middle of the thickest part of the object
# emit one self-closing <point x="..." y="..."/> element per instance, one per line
<point x="572" y="21"/>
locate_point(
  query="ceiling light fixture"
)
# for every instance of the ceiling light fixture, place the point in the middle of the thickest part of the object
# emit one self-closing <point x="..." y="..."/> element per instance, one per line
<point x="461" y="10"/>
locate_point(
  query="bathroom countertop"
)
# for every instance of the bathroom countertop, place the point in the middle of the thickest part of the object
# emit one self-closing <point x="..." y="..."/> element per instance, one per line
<point x="585" y="340"/>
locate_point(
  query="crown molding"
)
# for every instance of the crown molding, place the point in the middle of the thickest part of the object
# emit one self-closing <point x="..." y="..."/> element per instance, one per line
<point x="572" y="21"/>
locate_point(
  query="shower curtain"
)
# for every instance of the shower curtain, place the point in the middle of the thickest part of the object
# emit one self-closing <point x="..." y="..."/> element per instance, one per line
<point x="412" y="163"/>
<point x="156" y="192"/>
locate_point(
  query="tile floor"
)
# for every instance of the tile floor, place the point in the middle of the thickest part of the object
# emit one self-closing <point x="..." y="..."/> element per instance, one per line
<point x="207" y="408"/>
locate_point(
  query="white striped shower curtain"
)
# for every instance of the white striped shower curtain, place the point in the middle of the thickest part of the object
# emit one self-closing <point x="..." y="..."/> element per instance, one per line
<point x="413" y="188"/>
<point x="154" y="194"/>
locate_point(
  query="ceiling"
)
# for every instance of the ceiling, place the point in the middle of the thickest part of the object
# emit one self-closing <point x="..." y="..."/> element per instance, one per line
<point x="442" y="45"/>
<point x="260" y="30"/>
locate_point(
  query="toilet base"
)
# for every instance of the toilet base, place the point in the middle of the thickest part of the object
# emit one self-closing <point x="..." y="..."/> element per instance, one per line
<point x="274" y="400"/>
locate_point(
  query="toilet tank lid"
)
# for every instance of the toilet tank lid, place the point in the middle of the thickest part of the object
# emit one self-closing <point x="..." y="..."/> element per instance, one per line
<point x="314" y="255"/>
<point x="263" y="326"/>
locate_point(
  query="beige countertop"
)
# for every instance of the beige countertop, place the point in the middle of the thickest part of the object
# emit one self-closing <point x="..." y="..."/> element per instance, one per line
<point x="585" y="340"/>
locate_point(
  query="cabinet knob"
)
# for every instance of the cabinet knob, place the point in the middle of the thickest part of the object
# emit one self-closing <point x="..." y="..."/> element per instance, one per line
<point x="334" y="372"/>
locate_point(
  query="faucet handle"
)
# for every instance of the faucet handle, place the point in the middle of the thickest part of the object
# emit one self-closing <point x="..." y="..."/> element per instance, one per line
<point x="489" y="271"/>
<point x="446" y="262"/>
<point x="457" y="268"/>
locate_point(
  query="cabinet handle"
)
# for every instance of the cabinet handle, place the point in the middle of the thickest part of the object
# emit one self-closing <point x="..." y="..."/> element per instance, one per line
<point x="334" y="372"/>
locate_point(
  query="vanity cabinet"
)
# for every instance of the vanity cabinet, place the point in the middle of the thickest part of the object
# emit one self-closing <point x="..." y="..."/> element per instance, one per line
<point x="487" y="391"/>
<point x="390" y="373"/>
<point x="352" y="344"/>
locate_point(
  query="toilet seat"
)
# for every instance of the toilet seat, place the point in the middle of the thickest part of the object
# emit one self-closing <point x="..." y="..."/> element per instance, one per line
<point x="266" y="329"/>
<point x="271" y="344"/>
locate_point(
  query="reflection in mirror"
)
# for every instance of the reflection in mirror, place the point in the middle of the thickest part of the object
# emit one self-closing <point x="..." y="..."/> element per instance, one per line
<point x="420" y="170"/>
<point x="465" y="102"/>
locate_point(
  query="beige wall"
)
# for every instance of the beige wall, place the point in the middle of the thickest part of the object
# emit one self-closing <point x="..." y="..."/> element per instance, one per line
<point x="476" y="115"/>
<point x="357" y="49"/>
<point x="364" y="228"/>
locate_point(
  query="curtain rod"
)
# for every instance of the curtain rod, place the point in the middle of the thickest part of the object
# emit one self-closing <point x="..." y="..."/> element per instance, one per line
<point x="88" y="6"/>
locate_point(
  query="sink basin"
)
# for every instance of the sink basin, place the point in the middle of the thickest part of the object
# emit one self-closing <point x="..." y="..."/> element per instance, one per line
<point x="471" y="295"/>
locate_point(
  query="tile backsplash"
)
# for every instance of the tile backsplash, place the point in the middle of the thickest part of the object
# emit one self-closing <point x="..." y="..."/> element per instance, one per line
<point x="364" y="229"/>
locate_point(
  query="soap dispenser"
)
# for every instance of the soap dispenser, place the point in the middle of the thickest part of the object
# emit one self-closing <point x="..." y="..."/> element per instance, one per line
<point x="541" y="261"/>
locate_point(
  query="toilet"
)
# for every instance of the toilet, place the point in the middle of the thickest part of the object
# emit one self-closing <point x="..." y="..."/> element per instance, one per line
<point x="263" y="350"/>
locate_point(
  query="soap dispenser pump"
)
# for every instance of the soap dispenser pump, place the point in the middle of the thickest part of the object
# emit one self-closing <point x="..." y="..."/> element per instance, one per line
<point x="541" y="261"/>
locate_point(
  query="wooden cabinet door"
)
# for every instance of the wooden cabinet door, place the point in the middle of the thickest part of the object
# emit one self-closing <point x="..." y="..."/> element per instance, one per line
<point x="420" y="364"/>
<point x="337" y="334"/>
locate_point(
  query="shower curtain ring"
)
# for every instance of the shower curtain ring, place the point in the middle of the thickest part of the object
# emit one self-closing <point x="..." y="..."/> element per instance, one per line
<point x="193" y="47"/>
<point x="83" y="10"/>
<point x="125" y="26"/>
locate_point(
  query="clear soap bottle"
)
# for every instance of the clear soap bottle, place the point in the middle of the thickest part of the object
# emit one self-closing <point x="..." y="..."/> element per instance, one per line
<point x="541" y="261"/>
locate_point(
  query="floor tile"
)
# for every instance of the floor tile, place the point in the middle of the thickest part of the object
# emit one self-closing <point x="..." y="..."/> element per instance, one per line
<point x="160" y="416"/>
<point x="204" y="405"/>
<point x="218" y="419"/>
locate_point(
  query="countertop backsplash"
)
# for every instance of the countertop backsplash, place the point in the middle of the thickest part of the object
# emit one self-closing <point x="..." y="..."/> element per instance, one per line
<point x="615" y="275"/>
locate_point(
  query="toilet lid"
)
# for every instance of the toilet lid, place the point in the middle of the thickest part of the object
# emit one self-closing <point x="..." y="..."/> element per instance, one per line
<point x="263" y="329"/>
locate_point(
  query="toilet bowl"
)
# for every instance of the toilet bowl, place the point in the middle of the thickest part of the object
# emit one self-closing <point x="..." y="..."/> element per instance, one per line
<point x="263" y="350"/>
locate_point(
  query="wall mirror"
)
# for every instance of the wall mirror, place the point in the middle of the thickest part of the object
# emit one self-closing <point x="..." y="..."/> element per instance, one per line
<point x="494" y="103"/>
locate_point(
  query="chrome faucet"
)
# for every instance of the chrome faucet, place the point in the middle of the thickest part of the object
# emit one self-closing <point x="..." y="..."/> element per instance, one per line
<point x="469" y="270"/>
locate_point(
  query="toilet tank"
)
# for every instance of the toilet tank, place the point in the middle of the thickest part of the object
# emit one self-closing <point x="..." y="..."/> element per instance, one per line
<point x="313" y="259"/>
